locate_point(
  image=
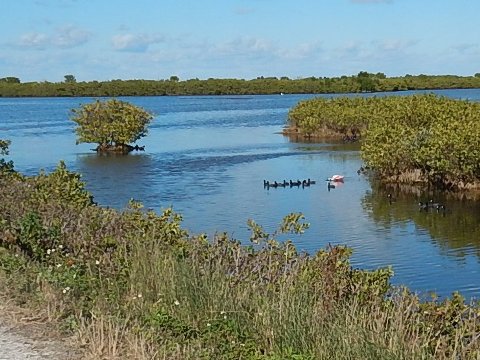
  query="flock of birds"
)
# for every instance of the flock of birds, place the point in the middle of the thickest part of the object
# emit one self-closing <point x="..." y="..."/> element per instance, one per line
<point x="425" y="206"/>
<point x="430" y="205"/>
<point x="274" y="184"/>
<point x="303" y="183"/>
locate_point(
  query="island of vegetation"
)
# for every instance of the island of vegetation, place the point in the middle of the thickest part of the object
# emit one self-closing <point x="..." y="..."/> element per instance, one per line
<point x="12" y="86"/>
<point x="135" y="284"/>
<point x="112" y="124"/>
<point x="412" y="139"/>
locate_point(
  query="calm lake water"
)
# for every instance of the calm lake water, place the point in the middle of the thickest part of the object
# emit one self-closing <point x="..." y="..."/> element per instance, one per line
<point x="207" y="157"/>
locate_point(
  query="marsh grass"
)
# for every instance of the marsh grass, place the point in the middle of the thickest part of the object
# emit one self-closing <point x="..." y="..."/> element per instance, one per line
<point x="134" y="284"/>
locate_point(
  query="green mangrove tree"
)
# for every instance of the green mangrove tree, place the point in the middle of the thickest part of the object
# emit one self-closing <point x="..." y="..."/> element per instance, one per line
<point x="112" y="124"/>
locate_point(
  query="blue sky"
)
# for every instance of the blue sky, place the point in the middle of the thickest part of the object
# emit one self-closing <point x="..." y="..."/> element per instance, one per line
<point x="43" y="40"/>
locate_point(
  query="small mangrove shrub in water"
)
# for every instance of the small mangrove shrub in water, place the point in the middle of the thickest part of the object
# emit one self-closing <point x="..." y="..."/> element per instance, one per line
<point x="112" y="124"/>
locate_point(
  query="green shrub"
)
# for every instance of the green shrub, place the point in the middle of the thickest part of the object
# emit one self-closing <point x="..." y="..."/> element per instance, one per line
<point x="110" y="123"/>
<point x="137" y="277"/>
<point x="435" y="136"/>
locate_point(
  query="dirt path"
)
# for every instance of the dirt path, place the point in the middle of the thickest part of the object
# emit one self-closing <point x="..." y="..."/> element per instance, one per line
<point x="17" y="343"/>
<point x="15" y="346"/>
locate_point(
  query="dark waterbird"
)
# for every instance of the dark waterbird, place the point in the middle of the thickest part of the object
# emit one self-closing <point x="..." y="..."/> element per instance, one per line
<point x="308" y="182"/>
<point x="432" y="204"/>
<point x="437" y="206"/>
<point x="441" y="208"/>
<point x="423" y="206"/>
<point x="390" y="198"/>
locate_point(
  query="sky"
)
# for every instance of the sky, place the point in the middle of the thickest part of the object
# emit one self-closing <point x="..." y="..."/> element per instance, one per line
<point x="44" y="40"/>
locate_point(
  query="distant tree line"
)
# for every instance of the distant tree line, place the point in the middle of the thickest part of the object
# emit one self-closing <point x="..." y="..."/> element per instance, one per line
<point x="362" y="82"/>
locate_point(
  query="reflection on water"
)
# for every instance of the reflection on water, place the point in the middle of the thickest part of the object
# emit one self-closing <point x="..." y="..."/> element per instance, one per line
<point x="452" y="225"/>
<point x="208" y="156"/>
<point x="112" y="176"/>
<point x="451" y="222"/>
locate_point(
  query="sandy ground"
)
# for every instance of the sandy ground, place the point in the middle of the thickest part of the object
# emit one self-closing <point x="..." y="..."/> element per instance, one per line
<point x="28" y="342"/>
<point x="15" y="346"/>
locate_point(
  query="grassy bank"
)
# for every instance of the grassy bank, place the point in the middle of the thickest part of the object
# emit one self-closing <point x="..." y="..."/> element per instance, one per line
<point x="134" y="284"/>
<point x="411" y="139"/>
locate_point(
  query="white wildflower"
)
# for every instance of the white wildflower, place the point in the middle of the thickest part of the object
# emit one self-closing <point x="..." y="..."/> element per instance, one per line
<point x="139" y="296"/>
<point x="66" y="289"/>
<point x="97" y="262"/>
<point x="58" y="265"/>
<point x="49" y="251"/>
<point x="60" y="246"/>
<point x="176" y="302"/>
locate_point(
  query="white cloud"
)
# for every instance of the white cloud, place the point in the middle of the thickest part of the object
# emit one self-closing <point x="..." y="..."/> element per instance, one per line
<point x="135" y="42"/>
<point x="34" y="40"/>
<point x="301" y="51"/>
<point x="70" y="36"/>
<point x="394" y="44"/>
<point x="244" y="46"/>
<point x="65" y="37"/>
<point x="352" y="50"/>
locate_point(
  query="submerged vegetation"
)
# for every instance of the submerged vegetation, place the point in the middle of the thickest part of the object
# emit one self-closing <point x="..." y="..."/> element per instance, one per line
<point x="362" y="82"/>
<point x="419" y="138"/>
<point x="134" y="284"/>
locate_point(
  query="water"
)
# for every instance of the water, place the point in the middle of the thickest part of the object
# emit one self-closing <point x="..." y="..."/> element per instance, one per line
<point x="208" y="156"/>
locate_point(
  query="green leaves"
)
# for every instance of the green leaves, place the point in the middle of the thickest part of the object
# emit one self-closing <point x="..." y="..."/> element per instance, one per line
<point x="292" y="223"/>
<point x="111" y="122"/>
<point x="62" y="185"/>
<point x="6" y="167"/>
<point x="337" y="116"/>
<point x="4" y="144"/>
<point x="437" y="137"/>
